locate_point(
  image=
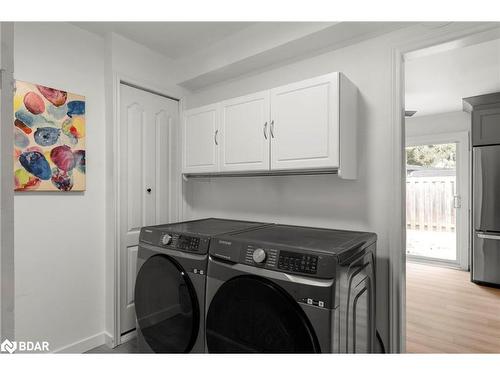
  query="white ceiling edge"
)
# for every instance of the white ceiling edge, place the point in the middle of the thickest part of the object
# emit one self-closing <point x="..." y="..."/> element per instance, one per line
<point x="253" y="40"/>
<point x="203" y="71"/>
<point x="437" y="79"/>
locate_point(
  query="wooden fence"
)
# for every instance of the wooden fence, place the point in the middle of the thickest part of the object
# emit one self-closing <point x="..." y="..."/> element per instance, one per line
<point x="429" y="203"/>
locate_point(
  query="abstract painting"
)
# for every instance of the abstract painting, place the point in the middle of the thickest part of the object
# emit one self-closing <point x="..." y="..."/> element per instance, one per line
<point x="49" y="139"/>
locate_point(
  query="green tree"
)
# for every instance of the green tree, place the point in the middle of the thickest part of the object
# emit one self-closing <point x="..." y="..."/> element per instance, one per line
<point x="436" y="156"/>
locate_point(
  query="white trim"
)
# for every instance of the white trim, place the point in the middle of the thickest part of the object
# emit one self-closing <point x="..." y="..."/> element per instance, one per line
<point x="7" y="269"/>
<point x="397" y="256"/>
<point x="461" y="139"/>
<point x="113" y="194"/>
<point x="432" y="262"/>
<point x="108" y="339"/>
<point x="84" y="345"/>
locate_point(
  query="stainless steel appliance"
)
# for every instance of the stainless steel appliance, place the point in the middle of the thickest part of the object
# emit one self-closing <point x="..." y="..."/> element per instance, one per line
<point x="170" y="283"/>
<point x="290" y="289"/>
<point x="485" y="110"/>
<point x="486" y="215"/>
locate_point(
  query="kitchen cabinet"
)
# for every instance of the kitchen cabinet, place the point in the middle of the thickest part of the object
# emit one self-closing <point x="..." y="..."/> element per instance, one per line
<point x="485" y="113"/>
<point x="305" y="126"/>
<point x="200" y="137"/>
<point x="245" y="139"/>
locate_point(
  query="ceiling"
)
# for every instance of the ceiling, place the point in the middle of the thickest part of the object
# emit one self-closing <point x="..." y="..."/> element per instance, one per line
<point x="437" y="83"/>
<point x="206" y="53"/>
<point x="175" y="40"/>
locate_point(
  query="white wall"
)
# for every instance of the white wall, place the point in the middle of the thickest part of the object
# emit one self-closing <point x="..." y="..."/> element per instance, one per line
<point x="59" y="252"/>
<point x="326" y="200"/>
<point x="64" y="270"/>
<point x="438" y="123"/>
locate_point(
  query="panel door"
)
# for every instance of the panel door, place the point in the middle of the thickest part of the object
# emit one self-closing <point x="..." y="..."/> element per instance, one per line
<point x="245" y="139"/>
<point x="146" y="122"/>
<point x="200" y="134"/>
<point x="305" y="124"/>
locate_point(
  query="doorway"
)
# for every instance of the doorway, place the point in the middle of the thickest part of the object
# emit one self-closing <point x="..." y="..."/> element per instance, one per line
<point x="445" y="311"/>
<point x="146" y="124"/>
<point x="437" y="191"/>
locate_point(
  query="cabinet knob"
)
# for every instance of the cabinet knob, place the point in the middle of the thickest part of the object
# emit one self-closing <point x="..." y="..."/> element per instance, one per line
<point x="148" y="190"/>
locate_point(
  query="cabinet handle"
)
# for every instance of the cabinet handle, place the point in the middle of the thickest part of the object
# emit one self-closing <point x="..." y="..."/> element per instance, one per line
<point x="265" y="130"/>
<point x="271" y="129"/>
<point x="215" y="137"/>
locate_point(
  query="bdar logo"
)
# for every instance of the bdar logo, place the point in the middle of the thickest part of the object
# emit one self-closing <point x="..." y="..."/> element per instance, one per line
<point x="8" y="346"/>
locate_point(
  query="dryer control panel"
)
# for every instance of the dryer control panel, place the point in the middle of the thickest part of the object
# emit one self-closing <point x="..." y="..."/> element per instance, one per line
<point x="176" y="241"/>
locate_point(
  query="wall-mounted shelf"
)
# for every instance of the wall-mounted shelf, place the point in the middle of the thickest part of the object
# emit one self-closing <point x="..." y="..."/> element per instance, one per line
<point x="262" y="173"/>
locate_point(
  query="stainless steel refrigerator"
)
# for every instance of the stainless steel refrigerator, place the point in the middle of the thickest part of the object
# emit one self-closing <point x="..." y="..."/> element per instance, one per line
<point x="486" y="215"/>
<point x="485" y="115"/>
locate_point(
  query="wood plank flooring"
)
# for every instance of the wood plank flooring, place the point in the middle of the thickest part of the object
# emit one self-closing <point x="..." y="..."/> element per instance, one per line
<point x="447" y="313"/>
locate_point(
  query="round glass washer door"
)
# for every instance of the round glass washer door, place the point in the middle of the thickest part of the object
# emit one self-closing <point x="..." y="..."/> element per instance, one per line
<point x="166" y="306"/>
<point x="250" y="314"/>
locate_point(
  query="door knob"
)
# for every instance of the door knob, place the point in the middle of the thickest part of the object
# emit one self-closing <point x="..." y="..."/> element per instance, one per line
<point x="148" y="190"/>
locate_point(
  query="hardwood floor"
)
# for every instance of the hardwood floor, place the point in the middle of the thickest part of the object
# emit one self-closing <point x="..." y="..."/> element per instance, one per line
<point x="446" y="313"/>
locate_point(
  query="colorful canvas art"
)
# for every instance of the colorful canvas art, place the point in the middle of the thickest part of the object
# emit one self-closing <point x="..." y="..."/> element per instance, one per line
<point x="49" y="139"/>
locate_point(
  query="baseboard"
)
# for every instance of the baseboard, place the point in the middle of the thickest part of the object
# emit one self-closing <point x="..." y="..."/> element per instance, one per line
<point x="108" y="340"/>
<point x="84" y="345"/>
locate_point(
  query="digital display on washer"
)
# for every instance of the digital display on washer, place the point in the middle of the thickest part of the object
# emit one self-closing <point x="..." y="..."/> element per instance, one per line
<point x="297" y="262"/>
<point x="188" y="243"/>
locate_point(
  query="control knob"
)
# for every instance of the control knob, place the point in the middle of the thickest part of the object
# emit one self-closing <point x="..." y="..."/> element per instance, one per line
<point x="166" y="239"/>
<point x="259" y="255"/>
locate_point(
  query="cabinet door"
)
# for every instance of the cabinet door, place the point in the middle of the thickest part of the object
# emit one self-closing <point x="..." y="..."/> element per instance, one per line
<point x="305" y="124"/>
<point x="245" y="133"/>
<point x="486" y="126"/>
<point x="200" y="140"/>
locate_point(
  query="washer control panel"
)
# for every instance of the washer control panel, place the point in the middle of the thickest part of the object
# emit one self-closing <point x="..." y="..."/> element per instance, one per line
<point x="265" y="255"/>
<point x="280" y="259"/>
<point x="260" y="256"/>
<point x="297" y="262"/>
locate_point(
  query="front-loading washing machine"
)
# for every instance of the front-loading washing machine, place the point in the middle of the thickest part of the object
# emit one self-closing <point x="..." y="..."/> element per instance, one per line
<point x="170" y="283"/>
<point x="290" y="289"/>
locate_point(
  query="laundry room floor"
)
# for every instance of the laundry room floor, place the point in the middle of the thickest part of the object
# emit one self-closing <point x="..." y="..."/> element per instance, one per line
<point x="128" y="347"/>
<point x="447" y="313"/>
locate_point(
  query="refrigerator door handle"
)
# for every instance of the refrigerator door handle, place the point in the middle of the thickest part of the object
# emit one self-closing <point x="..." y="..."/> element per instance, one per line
<point x="487" y="236"/>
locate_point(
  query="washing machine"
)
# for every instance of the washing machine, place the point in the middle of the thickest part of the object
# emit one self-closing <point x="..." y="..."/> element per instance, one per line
<point x="170" y="283"/>
<point x="291" y="289"/>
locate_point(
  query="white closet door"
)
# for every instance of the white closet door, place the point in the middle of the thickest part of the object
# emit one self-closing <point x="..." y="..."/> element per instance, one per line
<point x="305" y="124"/>
<point x="200" y="138"/>
<point x="146" y="122"/>
<point x="245" y="138"/>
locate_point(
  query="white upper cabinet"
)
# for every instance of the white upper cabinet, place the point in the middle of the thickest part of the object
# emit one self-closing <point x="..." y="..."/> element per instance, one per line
<point x="200" y="136"/>
<point x="305" y="124"/>
<point x="244" y="130"/>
